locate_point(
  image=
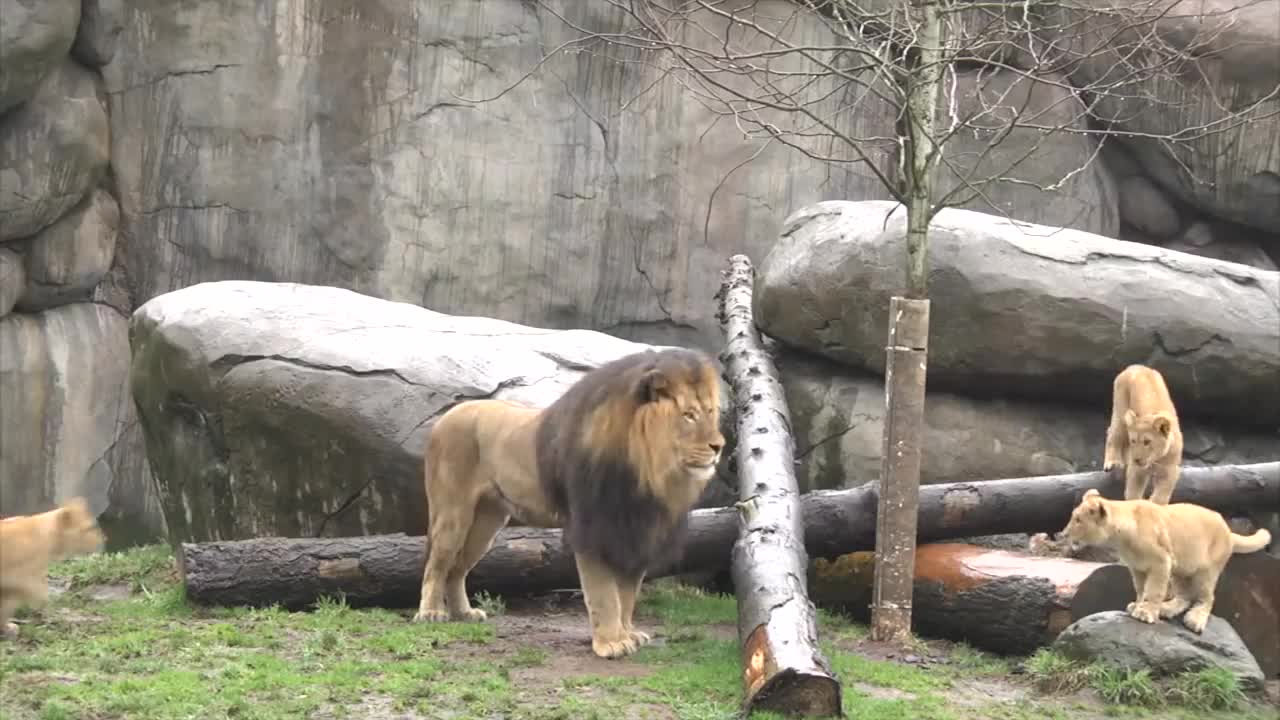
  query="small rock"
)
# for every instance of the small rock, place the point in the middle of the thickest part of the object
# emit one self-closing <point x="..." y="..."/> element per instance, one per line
<point x="1165" y="647"/>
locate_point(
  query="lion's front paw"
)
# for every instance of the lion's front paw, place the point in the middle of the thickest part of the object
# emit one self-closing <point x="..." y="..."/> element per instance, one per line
<point x="427" y="615"/>
<point x="1129" y="608"/>
<point x="613" y="649"/>
<point x="9" y="631"/>
<point x="1110" y="464"/>
<point x="472" y="615"/>
<point x="1172" y="608"/>
<point x="640" y="638"/>
<point x="1195" y="620"/>
<point x="1144" y="613"/>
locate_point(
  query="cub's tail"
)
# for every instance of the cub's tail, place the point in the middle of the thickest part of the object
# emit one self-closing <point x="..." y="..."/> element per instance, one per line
<point x="1250" y="543"/>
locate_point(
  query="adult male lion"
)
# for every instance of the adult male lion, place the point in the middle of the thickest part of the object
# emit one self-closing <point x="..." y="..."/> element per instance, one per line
<point x="617" y="461"/>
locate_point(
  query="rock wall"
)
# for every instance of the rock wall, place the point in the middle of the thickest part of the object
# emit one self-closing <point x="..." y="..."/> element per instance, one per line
<point x="69" y="426"/>
<point x="386" y="147"/>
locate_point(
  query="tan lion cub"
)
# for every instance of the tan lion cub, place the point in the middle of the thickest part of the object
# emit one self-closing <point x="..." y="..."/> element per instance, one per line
<point x="1144" y="435"/>
<point x="1175" y="553"/>
<point x="28" y="543"/>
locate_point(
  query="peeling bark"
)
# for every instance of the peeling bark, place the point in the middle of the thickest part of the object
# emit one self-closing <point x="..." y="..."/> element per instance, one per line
<point x="386" y="570"/>
<point x="783" y="669"/>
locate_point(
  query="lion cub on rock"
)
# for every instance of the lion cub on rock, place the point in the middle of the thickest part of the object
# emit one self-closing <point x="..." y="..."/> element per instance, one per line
<point x="1144" y="435"/>
<point x="28" y="543"/>
<point x="1175" y="553"/>
<point x="617" y="461"/>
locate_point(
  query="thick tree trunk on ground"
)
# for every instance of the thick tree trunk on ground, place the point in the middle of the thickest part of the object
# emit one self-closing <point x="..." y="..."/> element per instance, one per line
<point x="1001" y="601"/>
<point x="783" y="669"/>
<point x="386" y="570"/>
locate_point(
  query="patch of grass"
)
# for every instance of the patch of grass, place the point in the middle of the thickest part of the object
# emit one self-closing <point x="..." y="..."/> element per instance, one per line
<point x="1054" y="673"/>
<point x="135" y="568"/>
<point x="1209" y="689"/>
<point x="679" y="605"/>
<point x="1121" y="686"/>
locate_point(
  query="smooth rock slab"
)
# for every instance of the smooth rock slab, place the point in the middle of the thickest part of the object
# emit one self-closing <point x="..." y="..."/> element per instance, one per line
<point x="1165" y="647"/>
<point x="1028" y="310"/>
<point x="68" y="425"/>
<point x="68" y="259"/>
<point x="838" y="420"/>
<point x="296" y="410"/>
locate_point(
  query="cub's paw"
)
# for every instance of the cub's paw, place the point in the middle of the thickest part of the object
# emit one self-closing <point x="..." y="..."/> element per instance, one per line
<point x="471" y="615"/>
<point x="1172" y="608"/>
<point x="1144" y="613"/>
<point x="1111" y="464"/>
<point x="1129" y="608"/>
<point x="611" y="650"/>
<point x="1195" y="620"/>
<point x="431" y="616"/>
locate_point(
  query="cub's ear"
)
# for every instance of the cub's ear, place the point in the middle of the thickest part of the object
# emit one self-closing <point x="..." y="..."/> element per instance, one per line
<point x="652" y="385"/>
<point x="1099" y="510"/>
<point x="1130" y="417"/>
<point x="1163" y="423"/>
<point x="1090" y="493"/>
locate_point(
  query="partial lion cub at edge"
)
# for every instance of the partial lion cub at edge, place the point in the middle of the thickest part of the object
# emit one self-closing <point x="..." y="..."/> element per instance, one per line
<point x="1175" y="553"/>
<point x="29" y="543"/>
<point x="1144" y="435"/>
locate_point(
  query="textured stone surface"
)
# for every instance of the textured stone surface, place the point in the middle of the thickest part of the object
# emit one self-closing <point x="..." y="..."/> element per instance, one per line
<point x="13" y="279"/>
<point x="337" y="145"/>
<point x="1146" y="208"/>
<point x="284" y="409"/>
<point x="69" y="426"/>
<point x="1165" y="647"/>
<point x="100" y="24"/>
<point x="35" y="36"/>
<point x="66" y="260"/>
<point x="838" y="420"/>
<point x="1028" y="176"/>
<point x="1029" y="310"/>
<point x="1232" y="171"/>
<point x="53" y="149"/>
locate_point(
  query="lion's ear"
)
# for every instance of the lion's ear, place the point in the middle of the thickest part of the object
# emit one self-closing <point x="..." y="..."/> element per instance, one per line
<point x="652" y="384"/>
<point x="1163" y="424"/>
<point x="1130" y="417"/>
<point x="1090" y="493"/>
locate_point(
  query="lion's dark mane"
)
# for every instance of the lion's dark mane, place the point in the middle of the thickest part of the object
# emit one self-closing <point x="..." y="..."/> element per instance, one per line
<point x="609" y="513"/>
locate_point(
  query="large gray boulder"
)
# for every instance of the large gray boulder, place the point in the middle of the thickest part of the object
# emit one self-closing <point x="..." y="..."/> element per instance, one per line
<point x="35" y="36"/>
<point x="67" y="260"/>
<point x="295" y="410"/>
<point x="53" y="150"/>
<point x="69" y="426"/>
<point x="1035" y="311"/>
<point x="1165" y="647"/>
<point x="838" y="415"/>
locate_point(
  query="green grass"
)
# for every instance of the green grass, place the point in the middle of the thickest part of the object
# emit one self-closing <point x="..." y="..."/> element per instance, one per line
<point x="154" y="657"/>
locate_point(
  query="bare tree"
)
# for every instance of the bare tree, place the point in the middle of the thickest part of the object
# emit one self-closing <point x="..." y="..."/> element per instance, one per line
<point x="972" y="90"/>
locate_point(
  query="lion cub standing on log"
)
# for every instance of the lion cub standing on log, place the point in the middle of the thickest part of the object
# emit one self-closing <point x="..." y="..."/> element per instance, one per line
<point x="28" y="543"/>
<point x="1144" y="435"/>
<point x="1175" y="553"/>
<point x="618" y="461"/>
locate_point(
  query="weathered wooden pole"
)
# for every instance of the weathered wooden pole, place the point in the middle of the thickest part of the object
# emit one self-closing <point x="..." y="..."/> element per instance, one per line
<point x="783" y="670"/>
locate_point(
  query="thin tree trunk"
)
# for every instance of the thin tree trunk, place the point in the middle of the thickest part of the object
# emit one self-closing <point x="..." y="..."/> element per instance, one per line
<point x="906" y="354"/>
<point x="386" y="570"/>
<point x="783" y="669"/>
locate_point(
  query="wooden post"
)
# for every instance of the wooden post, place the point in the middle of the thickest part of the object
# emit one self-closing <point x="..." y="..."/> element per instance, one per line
<point x="783" y="669"/>
<point x="906" y="360"/>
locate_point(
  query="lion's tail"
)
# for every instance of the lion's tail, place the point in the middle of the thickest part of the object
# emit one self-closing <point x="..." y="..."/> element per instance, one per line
<point x="1250" y="543"/>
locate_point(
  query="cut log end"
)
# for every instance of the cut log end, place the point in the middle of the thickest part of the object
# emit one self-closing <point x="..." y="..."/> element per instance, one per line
<point x="790" y="689"/>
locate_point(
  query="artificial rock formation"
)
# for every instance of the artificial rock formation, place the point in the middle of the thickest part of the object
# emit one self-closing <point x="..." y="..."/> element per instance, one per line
<point x="34" y="37"/>
<point x="294" y="410"/>
<point x="1032" y="311"/>
<point x="838" y="417"/>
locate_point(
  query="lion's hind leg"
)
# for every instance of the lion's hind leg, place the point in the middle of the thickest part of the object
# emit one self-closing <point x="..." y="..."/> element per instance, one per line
<point x="1201" y="586"/>
<point x="489" y="518"/>
<point x="601" y="591"/>
<point x="449" y="528"/>
<point x="1179" y="599"/>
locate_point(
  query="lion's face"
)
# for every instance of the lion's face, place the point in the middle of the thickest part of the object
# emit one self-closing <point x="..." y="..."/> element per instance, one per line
<point x="680" y="418"/>
<point x="697" y="434"/>
<point x="1149" y="436"/>
<point x="1088" y="523"/>
<point x="78" y="531"/>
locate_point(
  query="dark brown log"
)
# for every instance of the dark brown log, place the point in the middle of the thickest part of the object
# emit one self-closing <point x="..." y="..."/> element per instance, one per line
<point x="1247" y="596"/>
<point x="906" y="358"/>
<point x="1001" y="601"/>
<point x="386" y="570"/>
<point x="784" y="671"/>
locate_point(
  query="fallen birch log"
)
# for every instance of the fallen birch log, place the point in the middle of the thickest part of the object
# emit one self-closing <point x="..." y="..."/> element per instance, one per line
<point x="386" y="570"/>
<point x="783" y="670"/>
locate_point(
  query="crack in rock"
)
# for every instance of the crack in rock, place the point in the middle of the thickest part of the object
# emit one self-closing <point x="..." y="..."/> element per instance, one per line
<point x="226" y="362"/>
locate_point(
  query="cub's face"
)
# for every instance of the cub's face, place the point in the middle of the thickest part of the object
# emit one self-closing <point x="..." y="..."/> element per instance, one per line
<point x="1088" y="523"/>
<point x="78" y="531"/>
<point x="1148" y="437"/>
